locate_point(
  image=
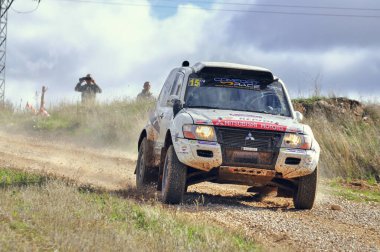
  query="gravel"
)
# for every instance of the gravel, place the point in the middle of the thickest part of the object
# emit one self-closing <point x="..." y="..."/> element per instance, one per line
<point x="276" y="224"/>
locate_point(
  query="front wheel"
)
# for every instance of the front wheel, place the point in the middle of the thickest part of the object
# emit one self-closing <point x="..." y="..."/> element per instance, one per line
<point x="304" y="196"/>
<point x="174" y="178"/>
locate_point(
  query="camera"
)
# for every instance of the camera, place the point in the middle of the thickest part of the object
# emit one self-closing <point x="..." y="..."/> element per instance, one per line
<point x="85" y="79"/>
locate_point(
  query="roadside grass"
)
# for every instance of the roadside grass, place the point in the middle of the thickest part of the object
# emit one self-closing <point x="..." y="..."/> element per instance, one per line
<point x="115" y="123"/>
<point x="10" y="177"/>
<point x="372" y="109"/>
<point x="308" y="101"/>
<point x="349" y="145"/>
<point x="55" y="216"/>
<point x="349" y="148"/>
<point x="6" y="111"/>
<point x="358" y="191"/>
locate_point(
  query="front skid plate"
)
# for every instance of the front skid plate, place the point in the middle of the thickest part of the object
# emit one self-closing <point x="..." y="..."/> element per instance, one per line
<point x="248" y="171"/>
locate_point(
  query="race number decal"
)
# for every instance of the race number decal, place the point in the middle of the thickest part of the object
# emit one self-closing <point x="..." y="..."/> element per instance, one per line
<point x="195" y="82"/>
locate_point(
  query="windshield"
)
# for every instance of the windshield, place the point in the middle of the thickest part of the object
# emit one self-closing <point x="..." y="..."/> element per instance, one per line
<point x="233" y="89"/>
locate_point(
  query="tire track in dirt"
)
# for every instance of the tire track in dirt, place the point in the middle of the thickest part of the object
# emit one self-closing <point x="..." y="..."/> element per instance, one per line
<point x="111" y="171"/>
<point x="273" y="222"/>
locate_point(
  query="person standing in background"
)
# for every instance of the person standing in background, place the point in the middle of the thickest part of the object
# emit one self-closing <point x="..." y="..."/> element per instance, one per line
<point x="145" y="93"/>
<point x="88" y="90"/>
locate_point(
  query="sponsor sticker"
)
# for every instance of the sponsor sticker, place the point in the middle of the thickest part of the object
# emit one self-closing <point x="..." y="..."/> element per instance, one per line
<point x="294" y="129"/>
<point x="249" y="125"/>
<point x="249" y="149"/>
<point x="200" y="122"/>
<point x="184" y="149"/>
<point x="299" y="151"/>
<point x="237" y="83"/>
<point x="203" y="122"/>
<point x="245" y="115"/>
<point x="248" y="119"/>
<point x="207" y="143"/>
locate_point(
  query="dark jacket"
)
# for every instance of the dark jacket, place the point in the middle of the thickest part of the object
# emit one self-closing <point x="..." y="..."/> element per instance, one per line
<point x="88" y="91"/>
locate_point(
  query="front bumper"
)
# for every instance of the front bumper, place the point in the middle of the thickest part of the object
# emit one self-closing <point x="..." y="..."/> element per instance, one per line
<point x="308" y="160"/>
<point x="203" y="155"/>
<point x="187" y="152"/>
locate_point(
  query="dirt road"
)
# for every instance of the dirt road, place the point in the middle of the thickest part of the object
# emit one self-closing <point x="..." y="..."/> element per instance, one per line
<point x="272" y="222"/>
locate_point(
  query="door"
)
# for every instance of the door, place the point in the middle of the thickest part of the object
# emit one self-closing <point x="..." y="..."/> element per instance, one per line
<point x="164" y="112"/>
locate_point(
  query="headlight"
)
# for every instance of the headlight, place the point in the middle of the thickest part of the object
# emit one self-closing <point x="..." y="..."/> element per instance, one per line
<point x="199" y="132"/>
<point x="296" y="141"/>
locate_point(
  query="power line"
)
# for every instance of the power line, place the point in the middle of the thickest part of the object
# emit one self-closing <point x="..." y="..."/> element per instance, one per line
<point x="225" y="10"/>
<point x="284" y="6"/>
<point x="29" y="11"/>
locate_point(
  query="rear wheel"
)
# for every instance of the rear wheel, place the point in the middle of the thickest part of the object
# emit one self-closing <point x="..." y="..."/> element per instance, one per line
<point x="174" y="178"/>
<point x="304" y="196"/>
<point x="145" y="175"/>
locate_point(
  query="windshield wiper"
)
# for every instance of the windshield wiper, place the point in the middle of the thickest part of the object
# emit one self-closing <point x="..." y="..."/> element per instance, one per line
<point x="205" y="107"/>
<point x="262" y="112"/>
<point x="247" y="110"/>
<point x="266" y="112"/>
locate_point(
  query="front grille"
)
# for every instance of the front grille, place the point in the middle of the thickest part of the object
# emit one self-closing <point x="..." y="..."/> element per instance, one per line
<point x="249" y="148"/>
<point x="231" y="137"/>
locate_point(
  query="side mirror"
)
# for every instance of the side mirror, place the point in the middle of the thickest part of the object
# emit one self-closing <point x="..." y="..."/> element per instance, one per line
<point x="177" y="106"/>
<point x="299" y="116"/>
<point x="171" y="99"/>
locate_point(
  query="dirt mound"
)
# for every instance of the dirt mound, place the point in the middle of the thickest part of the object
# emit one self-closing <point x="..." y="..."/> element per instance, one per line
<point x="331" y="107"/>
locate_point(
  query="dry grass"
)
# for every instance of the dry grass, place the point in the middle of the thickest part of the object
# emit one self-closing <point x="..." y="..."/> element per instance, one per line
<point x="53" y="216"/>
<point x="6" y="111"/>
<point x="356" y="190"/>
<point x="373" y="111"/>
<point x="117" y="123"/>
<point x="350" y="148"/>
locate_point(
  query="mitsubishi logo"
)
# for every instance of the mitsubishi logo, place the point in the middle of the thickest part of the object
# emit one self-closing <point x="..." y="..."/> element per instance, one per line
<point x="249" y="137"/>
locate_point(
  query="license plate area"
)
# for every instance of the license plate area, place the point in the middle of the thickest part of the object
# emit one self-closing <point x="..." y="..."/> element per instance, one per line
<point x="238" y="157"/>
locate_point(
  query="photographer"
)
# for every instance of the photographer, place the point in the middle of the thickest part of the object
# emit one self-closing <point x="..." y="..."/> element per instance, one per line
<point x="88" y="90"/>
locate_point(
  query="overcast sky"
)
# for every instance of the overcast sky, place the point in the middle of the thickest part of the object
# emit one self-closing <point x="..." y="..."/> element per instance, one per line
<point x="126" y="42"/>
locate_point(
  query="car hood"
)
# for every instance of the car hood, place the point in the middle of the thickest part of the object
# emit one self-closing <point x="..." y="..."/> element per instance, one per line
<point x="242" y="119"/>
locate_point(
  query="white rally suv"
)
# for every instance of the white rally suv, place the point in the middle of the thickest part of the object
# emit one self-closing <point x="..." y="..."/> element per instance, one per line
<point x="227" y="123"/>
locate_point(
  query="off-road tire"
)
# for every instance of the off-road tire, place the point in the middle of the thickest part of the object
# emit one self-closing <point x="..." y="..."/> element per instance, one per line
<point x="174" y="178"/>
<point x="145" y="175"/>
<point x="304" y="196"/>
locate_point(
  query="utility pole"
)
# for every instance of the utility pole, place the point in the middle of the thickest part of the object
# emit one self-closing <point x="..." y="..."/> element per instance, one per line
<point x="4" y="7"/>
